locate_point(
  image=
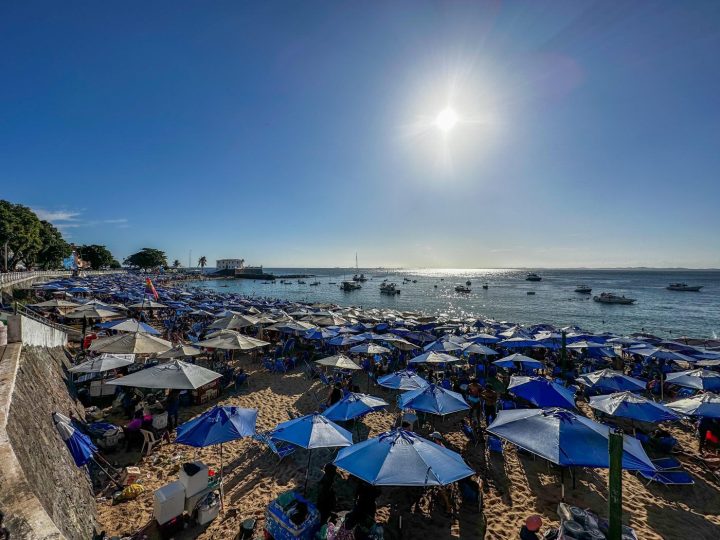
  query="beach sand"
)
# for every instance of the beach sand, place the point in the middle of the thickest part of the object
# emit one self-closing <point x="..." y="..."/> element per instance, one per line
<point x="514" y="486"/>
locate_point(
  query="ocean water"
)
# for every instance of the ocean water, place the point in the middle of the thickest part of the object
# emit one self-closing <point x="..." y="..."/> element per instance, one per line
<point x="665" y="313"/>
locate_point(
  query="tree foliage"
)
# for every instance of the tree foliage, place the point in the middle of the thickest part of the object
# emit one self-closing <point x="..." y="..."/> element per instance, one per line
<point x="20" y="228"/>
<point x="176" y="263"/>
<point x="98" y="256"/>
<point x="53" y="247"/>
<point x="202" y="261"/>
<point x="146" y="258"/>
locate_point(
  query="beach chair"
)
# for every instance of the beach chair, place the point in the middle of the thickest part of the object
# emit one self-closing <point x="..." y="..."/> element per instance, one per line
<point x="149" y="442"/>
<point x="494" y="444"/>
<point x="279" y="366"/>
<point x="280" y="448"/>
<point x="269" y="364"/>
<point x="667" y="478"/>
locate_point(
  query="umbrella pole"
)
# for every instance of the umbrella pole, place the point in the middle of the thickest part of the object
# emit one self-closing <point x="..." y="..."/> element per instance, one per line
<point x="222" y="488"/>
<point x="562" y="484"/>
<point x="307" y="471"/>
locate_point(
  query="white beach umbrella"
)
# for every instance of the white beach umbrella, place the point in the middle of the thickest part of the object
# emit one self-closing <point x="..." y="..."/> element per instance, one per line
<point x="104" y="362"/>
<point x="176" y="375"/>
<point x="134" y="343"/>
<point x="338" y="361"/>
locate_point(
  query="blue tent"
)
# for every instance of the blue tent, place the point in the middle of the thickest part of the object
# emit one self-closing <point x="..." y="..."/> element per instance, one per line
<point x="216" y="426"/>
<point x="403" y="380"/>
<point x="607" y="381"/>
<point x="80" y="446"/>
<point x="519" y="361"/>
<point x="353" y="406"/>
<point x="312" y="431"/>
<point x="566" y="438"/>
<point x="700" y="379"/>
<point x="434" y="400"/>
<point x="629" y="405"/>
<point x="541" y="392"/>
<point x="401" y="458"/>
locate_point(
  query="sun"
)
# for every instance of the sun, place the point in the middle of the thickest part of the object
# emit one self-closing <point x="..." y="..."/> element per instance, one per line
<point x="446" y="120"/>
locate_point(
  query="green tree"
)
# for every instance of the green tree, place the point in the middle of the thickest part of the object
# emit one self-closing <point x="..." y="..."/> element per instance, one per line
<point x="98" y="256"/>
<point x="146" y="258"/>
<point x="20" y="229"/>
<point x="176" y="264"/>
<point x="53" y="248"/>
<point x="202" y="262"/>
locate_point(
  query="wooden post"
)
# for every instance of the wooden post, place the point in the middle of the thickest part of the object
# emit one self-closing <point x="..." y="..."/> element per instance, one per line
<point x="563" y="352"/>
<point x="615" y="448"/>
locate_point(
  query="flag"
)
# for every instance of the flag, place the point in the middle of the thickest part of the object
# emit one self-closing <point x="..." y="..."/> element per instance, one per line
<point x="69" y="263"/>
<point x="150" y="289"/>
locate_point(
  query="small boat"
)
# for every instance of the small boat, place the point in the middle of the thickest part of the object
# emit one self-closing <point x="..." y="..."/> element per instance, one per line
<point x="332" y="282"/>
<point x="350" y="286"/>
<point x="532" y="276"/>
<point x="584" y="289"/>
<point x="315" y="283"/>
<point x="389" y="288"/>
<point x="462" y="289"/>
<point x="485" y="286"/>
<point x="468" y="283"/>
<point x="610" y="298"/>
<point x="359" y="278"/>
<point x="301" y="282"/>
<point x="683" y="287"/>
<point x="530" y="293"/>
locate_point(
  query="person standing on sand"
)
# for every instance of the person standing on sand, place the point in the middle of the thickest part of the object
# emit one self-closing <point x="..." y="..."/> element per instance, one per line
<point x="490" y="398"/>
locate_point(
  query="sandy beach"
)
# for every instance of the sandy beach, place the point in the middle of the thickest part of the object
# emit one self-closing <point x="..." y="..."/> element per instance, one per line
<point x="514" y="486"/>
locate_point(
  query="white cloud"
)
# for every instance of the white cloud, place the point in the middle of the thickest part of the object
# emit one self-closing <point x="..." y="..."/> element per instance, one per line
<point x="54" y="216"/>
<point x="119" y="220"/>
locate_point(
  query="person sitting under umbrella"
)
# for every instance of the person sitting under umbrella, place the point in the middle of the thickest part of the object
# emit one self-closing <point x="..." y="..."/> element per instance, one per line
<point x="444" y="491"/>
<point x="133" y="436"/>
<point x="336" y="394"/>
<point x="327" y="499"/>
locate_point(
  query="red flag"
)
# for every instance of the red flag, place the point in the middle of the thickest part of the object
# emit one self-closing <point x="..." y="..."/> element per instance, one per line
<point x="150" y="289"/>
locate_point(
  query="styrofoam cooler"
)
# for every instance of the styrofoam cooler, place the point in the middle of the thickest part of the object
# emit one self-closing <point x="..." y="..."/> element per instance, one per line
<point x="209" y="511"/>
<point x="197" y="482"/>
<point x="169" y="502"/>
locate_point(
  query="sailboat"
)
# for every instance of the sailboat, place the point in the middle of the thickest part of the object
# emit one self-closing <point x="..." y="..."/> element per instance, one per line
<point x="358" y="277"/>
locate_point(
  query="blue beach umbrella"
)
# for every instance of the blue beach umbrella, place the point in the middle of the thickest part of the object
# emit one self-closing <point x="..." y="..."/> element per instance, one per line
<point x="369" y="348"/>
<point x="80" y="446"/>
<point x="566" y="438"/>
<point x="342" y="340"/>
<point x="443" y="345"/>
<point x="700" y="379"/>
<point x="608" y="381"/>
<point x="353" y="406"/>
<point x="484" y="339"/>
<point x="707" y="405"/>
<point x="319" y="333"/>
<point x="632" y="406"/>
<point x="518" y="361"/>
<point x="403" y="380"/>
<point x="434" y="400"/>
<point x="541" y="392"/>
<point x="661" y="353"/>
<point x="519" y="343"/>
<point x="312" y="431"/>
<point x="402" y="458"/>
<point x="433" y="357"/>
<point x="216" y="426"/>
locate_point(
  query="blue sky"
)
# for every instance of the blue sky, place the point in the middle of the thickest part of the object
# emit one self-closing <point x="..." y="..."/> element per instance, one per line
<point x="300" y="133"/>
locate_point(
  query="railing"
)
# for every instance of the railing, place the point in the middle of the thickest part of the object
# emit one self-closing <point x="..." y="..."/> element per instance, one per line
<point x="29" y="313"/>
<point x="14" y="277"/>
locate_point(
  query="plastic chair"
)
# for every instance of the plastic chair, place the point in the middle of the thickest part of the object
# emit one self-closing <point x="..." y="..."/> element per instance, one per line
<point x="667" y="478"/>
<point x="495" y="444"/>
<point x="149" y="442"/>
<point x="280" y="448"/>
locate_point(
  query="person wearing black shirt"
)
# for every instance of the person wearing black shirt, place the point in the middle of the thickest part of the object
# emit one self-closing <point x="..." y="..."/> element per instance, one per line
<point x="335" y="395"/>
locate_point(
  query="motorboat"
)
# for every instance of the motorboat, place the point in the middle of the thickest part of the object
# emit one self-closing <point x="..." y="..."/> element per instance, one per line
<point x="610" y="298"/>
<point x="532" y="276"/>
<point x="584" y="289"/>
<point x="359" y="278"/>
<point x="389" y="288"/>
<point x="462" y="289"/>
<point x="468" y="283"/>
<point x="485" y="286"/>
<point x="315" y="284"/>
<point x="301" y="282"/>
<point x="350" y="286"/>
<point x="684" y="287"/>
<point x="530" y="293"/>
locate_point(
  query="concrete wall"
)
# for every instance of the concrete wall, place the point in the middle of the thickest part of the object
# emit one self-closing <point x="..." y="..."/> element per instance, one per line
<point x="34" y="333"/>
<point x="42" y="493"/>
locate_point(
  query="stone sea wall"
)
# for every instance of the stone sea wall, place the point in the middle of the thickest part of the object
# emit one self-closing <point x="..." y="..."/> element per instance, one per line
<point x="48" y="477"/>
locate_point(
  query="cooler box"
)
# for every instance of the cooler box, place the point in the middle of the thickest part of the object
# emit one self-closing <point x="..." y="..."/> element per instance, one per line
<point x="208" y="510"/>
<point x="279" y="524"/>
<point x="169" y="502"/>
<point x="194" y="476"/>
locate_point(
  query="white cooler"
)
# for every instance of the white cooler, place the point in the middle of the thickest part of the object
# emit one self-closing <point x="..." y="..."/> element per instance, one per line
<point x="169" y="502"/>
<point x="197" y="482"/>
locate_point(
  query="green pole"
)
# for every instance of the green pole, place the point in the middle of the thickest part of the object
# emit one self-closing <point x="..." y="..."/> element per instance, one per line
<point x="563" y="352"/>
<point x="615" y="446"/>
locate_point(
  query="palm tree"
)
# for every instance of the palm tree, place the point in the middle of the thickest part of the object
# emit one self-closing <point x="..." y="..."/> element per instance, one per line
<point x="202" y="261"/>
<point x="176" y="263"/>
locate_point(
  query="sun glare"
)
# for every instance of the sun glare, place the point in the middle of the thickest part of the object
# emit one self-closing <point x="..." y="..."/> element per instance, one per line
<point x="446" y="120"/>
